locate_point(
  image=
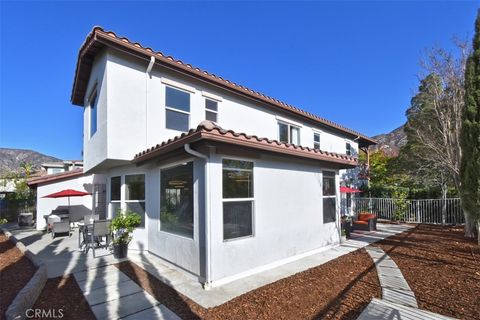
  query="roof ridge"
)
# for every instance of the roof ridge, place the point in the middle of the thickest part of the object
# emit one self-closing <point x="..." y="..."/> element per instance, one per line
<point x="221" y="79"/>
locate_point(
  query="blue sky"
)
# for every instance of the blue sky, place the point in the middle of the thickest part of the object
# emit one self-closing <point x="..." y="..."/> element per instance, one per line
<point x="355" y="63"/>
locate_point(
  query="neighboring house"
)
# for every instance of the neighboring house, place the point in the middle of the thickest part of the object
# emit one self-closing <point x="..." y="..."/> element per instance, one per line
<point x="61" y="166"/>
<point x="79" y="206"/>
<point x="254" y="187"/>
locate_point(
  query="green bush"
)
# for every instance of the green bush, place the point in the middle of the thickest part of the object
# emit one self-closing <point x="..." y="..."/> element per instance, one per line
<point x="123" y="225"/>
<point x="400" y="196"/>
<point x="3" y="220"/>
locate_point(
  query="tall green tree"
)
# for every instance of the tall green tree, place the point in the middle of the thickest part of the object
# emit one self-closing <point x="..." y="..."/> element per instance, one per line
<point x="470" y="135"/>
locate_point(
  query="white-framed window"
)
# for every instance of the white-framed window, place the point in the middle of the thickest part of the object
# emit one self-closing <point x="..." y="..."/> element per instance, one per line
<point x="115" y="194"/>
<point x="211" y="110"/>
<point x="177" y="109"/>
<point x="176" y="200"/>
<point x="92" y="104"/>
<point x="288" y="133"/>
<point x="238" y="199"/>
<point x="316" y="140"/>
<point x="329" y="197"/>
<point x="348" y="149"/>
<point x="135" y="195"/>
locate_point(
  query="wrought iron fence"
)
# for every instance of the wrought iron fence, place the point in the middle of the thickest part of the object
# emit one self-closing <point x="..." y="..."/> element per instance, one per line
<point x="434" y="211"/>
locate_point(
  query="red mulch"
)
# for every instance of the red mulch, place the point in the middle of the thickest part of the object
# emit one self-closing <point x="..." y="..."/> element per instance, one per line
<point x="339" y="289"/>
<point x="15" y="272"/>
<point x="63" y="293"/>
<point x="442" y="268"/>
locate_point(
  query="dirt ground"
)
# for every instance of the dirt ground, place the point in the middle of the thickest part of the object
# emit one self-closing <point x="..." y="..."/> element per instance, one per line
<point x="339" y="289"/>
<point x="442" y="268"/>
<point x="15" y="272"/>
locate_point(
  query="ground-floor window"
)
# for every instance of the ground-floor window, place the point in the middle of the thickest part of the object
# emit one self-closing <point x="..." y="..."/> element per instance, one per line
<point x="176" y="200"/>
<point x="329" y="197"/>
<point x="238" y="199"/>
<point x="115" y="194"/>
<point x="134" y="197"/>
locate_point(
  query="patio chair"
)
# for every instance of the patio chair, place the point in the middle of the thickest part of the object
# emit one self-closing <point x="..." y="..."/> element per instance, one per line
<point x="93" y="235"/>
<point x="86" y="219"/>
<point x="60" y="227"/>
<point x="365" y="221"/>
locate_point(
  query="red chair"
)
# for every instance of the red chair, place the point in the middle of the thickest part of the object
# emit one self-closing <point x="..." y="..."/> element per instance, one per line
<point x="365" y="221"/>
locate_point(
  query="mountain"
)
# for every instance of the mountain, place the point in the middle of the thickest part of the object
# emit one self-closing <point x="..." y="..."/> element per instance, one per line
<point x="390" y="143"/>
<point x="11" y="159"/>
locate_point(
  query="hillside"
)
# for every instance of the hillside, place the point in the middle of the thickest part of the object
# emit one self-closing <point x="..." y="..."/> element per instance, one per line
<point x="390" y="143"/>
<point x="11" y="159"/>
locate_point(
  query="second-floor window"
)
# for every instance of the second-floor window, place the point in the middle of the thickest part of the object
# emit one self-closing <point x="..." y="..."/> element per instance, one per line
<point x="288" y="133"/>
<point x="316" y="140"/>
<point x="177" y="109"/>
<point x="93" y="114"/>
<point x="211" y="110"/>
<point x="349" y="150"/>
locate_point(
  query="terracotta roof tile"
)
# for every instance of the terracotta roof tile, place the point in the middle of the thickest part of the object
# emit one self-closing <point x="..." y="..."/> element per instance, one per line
<point x="56" y="176"/>
<point x="207" y="130"/>
<point x="99" y="32"/>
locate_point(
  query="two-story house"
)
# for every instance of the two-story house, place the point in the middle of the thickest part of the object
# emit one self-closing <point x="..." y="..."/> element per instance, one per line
<point x="228" y="181"/>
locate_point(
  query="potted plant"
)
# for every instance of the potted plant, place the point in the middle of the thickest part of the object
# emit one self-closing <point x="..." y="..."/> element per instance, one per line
<point x="346" y="224"/>
<point x="121" y="228"/>
<point x="343" y="238"/>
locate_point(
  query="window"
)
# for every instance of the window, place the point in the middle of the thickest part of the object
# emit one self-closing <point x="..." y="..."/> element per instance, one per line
<point x="349" y="149"/>
<point x="211" y="110"/>
<point x="237" y="199"/>
<point x="115" y="194"/>
<point x="177" y="107"/>
<point x="288" y="133"/>
<point x="176" y="200"/>
<point x="329" y="198"/>
<point x="316" y="140"/>
<point x="93" y="114"/>
<point x="135" y="195"/>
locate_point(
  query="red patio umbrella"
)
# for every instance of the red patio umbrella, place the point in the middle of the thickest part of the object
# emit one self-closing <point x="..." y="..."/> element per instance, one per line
<point x="349" y="190"/>
<point x="67" y="193"/>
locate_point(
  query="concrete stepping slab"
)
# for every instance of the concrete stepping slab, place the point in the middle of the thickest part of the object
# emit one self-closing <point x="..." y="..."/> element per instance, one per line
<point x="113" y="278"/>
<point x="112" y="292"/>
<point x="159" y="312"/>
<point x="384" y="310"/>
<point x="94" y="272"/>
<point x="399" y="296"/>
<point x="124" y="306"/>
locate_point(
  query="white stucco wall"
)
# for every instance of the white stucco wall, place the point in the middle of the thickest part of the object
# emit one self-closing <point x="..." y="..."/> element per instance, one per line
<point x="79" y="206"/>
<point x="95" y="147"/>
<point x="288" y="217"/>
<point x="178" y="250"/>
<point x="135" y="109"/>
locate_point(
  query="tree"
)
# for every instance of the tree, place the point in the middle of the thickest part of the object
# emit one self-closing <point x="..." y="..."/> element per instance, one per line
<point x="435" y="119"/>
<point x="470" y="135"/>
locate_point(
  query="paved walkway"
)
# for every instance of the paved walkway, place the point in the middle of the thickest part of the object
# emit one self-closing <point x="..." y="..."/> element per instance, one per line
<point x="113" y="295"/>
<point x="61" y="257"/>
<point x="191" y="288"/>
<point x="394" y="286"/>
<point x="398" y="300"/>
<point x="384" y="310"/>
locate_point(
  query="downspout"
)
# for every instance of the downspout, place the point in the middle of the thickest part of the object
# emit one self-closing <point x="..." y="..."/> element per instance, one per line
<point x="195" y="153"/>
<point x="147" y="75"/>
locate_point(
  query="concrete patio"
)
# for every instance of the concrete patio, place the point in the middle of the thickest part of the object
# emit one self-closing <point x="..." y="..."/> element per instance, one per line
<point x="61" y="256"/>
